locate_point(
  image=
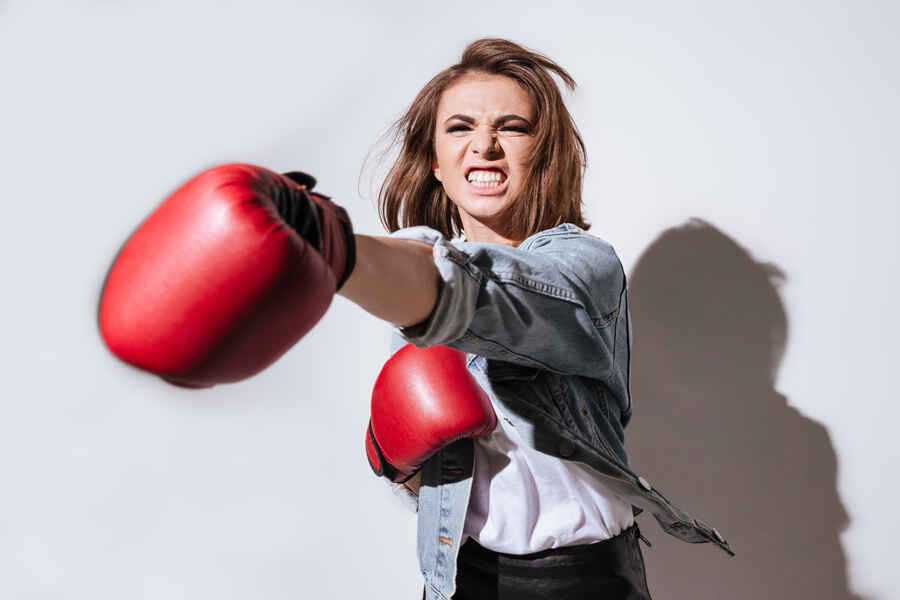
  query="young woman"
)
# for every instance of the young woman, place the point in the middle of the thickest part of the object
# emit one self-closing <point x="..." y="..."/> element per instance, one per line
<point x="544" y="506"/>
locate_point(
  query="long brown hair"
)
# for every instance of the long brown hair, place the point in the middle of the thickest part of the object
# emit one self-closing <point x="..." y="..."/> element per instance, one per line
<point x="410" y="194"/>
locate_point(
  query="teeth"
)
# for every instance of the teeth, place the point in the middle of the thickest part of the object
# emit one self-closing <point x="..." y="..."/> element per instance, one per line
<point x="485" y="178"/>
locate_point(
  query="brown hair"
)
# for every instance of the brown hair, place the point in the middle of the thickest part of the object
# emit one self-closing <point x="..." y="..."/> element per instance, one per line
<point x="555" y="165"/>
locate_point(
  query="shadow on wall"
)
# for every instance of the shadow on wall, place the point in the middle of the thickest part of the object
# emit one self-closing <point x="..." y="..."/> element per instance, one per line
<point x="712" y="433"/>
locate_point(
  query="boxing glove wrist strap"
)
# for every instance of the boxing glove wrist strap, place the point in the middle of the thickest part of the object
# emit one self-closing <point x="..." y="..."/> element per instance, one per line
<point x="300" y="210"/>
<point x="380" y="464"/>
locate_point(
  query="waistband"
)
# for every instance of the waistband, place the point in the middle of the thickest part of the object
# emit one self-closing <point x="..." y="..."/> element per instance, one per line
<point x="609" y="548"/>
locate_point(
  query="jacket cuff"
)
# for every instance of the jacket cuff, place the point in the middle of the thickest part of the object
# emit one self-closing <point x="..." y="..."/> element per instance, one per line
<point x="457" y="292"/>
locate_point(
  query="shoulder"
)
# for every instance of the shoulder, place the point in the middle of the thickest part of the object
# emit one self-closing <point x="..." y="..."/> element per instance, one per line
<point x="578" y="250"/>
<point x="420" y="233"/>
<point x="568" y="238"/>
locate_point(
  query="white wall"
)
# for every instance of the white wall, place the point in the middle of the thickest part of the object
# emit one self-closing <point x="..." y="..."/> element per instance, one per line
<point x="774" y="122"/>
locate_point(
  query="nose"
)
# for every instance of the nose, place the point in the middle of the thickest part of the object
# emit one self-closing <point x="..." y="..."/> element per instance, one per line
<point x="484" y="142"/>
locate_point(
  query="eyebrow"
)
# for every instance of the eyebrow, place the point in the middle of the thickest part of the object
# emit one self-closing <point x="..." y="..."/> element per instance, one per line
<point x="498" y="121"/>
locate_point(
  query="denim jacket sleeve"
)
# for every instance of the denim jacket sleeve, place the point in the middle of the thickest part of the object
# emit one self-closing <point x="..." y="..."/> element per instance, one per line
<point x="551" y="303"/>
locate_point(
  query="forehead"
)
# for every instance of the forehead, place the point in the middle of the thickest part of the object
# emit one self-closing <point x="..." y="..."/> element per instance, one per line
<point x="485" y="95"/>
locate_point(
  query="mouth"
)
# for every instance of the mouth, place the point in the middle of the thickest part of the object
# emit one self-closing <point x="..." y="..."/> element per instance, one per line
<point x="487" y="180"/>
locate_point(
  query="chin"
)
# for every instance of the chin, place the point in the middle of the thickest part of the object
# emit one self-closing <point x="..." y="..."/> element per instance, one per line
<point x="485" y="217"/>
<point x="484" y="206"/>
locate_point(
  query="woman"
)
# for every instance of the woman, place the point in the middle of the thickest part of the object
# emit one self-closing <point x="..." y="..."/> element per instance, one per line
<point x="543" y="507"/>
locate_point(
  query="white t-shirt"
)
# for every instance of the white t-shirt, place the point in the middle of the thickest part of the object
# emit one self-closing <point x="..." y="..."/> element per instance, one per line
<point x="524" y="501"/>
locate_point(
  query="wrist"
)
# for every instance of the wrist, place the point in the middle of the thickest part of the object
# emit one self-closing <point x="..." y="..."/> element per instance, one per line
<point x="318" y="220"/>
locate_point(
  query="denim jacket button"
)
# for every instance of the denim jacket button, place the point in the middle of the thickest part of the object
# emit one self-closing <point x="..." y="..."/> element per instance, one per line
<point x="566" y="448"/>
<point x="644" y="483"/>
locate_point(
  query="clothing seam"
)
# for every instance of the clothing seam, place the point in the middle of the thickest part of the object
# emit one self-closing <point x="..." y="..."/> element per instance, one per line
<point x="541" y="365"/>
<point x="624" y="292"/>
<point x="665" y="505"/>
<point x="549" y="291"/>
<point x="464" y="261"/>
<point x="561" y="229"/>
<point x="564" y="410"/>
<point x="640" y="490"/>
<point x="539" y="287"/>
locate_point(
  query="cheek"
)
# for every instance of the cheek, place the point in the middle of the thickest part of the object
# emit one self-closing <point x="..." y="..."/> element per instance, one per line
<point x="443" y="156"/>
<point x="519" y="156"/>
<point x="450" y="160"/>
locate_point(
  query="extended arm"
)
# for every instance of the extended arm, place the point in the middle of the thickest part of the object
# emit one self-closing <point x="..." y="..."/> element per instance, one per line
<point x="394" y="279"/>
<point x="561" y="288"/>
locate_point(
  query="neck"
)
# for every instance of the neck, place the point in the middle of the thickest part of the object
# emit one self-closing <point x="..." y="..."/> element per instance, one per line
<point x="477" y="231"/>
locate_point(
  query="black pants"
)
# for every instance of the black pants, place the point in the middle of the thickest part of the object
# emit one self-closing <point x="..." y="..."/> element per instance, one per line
<point x="609" y="570"/>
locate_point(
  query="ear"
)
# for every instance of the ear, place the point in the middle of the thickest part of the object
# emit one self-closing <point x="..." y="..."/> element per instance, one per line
<point x="436" y="169"/>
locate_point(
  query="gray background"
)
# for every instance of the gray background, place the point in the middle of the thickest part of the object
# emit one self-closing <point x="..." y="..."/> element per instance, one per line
<point x="727" y="142"/>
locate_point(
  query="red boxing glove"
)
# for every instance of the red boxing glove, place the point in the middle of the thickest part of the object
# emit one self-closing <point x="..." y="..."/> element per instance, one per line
<point x="226" y="275"/>
<point x="424" y="399"/>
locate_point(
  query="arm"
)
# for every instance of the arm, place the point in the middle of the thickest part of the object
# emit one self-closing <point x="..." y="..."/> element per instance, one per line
<point x="394" y="279"/>
<point x="555" y="302"/>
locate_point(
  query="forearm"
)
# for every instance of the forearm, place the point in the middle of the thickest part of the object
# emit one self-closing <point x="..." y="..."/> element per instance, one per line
<point x="394" y="279"/>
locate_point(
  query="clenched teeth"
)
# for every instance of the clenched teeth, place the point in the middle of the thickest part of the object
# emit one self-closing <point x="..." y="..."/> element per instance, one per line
<point x="485" y="178"/>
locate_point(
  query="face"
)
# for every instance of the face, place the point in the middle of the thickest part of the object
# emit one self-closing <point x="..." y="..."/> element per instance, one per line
<point x="484" y="131"/>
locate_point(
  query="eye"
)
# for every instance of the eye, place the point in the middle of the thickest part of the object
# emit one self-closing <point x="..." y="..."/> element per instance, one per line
<point x="457" y="128"/>
<point x="516" y="128"/>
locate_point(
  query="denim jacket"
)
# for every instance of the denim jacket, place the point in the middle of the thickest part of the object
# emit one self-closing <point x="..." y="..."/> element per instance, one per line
<point x="547" y="333"/>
